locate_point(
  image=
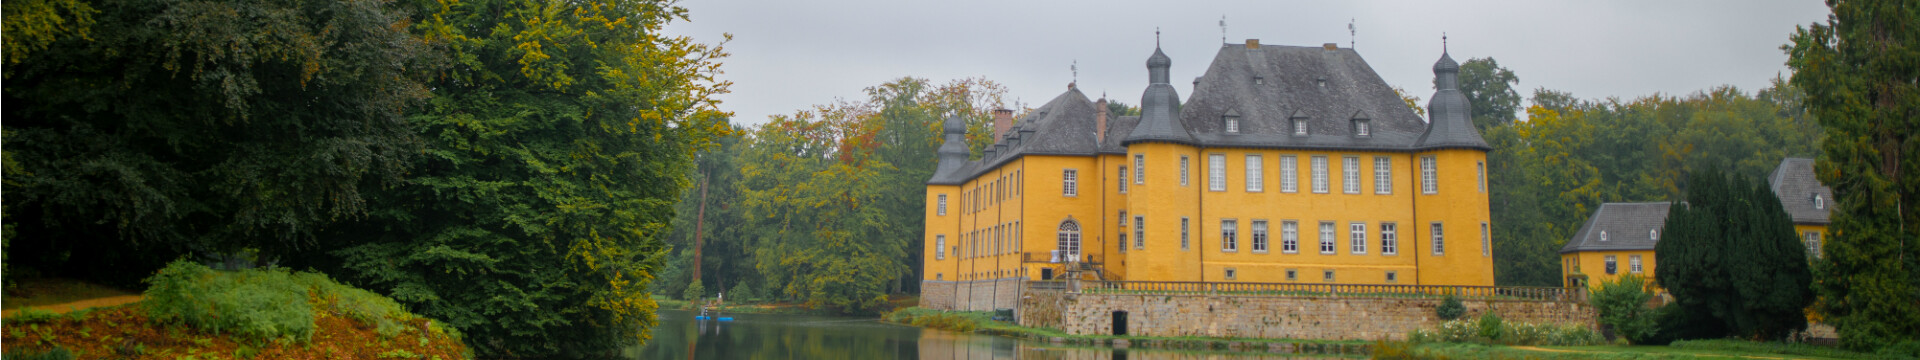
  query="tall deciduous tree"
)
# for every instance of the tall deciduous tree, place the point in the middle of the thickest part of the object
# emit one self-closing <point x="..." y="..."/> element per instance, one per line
<point x="1729" y="253"/>
<point x="136" y="129"/>
<point x="1489" y="88"/>
<point x="1861" y="73"/>
<point x="558" y="144"/>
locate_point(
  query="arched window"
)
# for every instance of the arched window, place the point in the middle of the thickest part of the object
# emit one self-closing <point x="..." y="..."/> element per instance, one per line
<point x="1069" y="240"/>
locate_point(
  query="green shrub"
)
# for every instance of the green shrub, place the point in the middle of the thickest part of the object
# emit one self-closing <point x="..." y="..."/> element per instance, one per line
<point x="1909" y="349"/>
<point x="54" y="353"/>
<point x="695" y="291"/>
<point x="1514" y="333"/>
<point x="258" y="304"/>
<point x="741" y="293"/>
<point x="1450" y="308"/>
<point x="29" y="315"/>
<point x="1622" y="303"/>
<point x="1490" y="327"/>
<point x="387" y="316"/>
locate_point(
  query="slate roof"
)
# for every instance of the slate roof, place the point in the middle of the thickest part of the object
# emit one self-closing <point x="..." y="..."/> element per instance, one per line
<point x="1794" y="182"/>
<point x="1626" y="226"/>
<point x="1063" y="126"/>
<point x="1273" y="84"/>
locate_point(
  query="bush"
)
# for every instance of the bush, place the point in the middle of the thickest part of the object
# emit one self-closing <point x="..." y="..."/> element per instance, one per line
<point x="1909" y="349"/>
<point x="1623" y="306"/>
<point x="1513" y="333"/>
<point x="258" y="304"/>
<point x="54" y="353"/>
<point x="1490" y="327"/>
<point x="694" y="292"/>
<point x="741" y="293"/>
<point x="1450" y="308"/>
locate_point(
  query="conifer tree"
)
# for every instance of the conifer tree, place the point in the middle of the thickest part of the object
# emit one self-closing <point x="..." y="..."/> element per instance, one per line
<point x="1729" y="253"/>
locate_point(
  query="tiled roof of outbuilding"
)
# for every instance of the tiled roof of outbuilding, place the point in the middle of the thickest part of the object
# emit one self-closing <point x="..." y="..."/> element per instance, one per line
<point x="1794" y="182"/>
<point x="1627" y="226"/>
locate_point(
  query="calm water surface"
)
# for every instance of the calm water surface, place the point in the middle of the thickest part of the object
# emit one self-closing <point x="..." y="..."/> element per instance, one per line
<point x="752" y="336"/>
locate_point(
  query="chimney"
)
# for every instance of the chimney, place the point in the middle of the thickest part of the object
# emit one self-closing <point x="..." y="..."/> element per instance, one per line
<point x="1100" y="121"/>
<point x="1330" y="46"/>
<point x="1002" y="120"/>
<point x="1253" y="44"/>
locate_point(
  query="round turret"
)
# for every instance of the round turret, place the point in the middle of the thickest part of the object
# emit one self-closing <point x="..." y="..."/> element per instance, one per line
<point x="1446" y="64"/>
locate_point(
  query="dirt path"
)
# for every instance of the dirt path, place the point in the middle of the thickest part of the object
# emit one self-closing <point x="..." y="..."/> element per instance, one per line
<point x="83" y="304"/>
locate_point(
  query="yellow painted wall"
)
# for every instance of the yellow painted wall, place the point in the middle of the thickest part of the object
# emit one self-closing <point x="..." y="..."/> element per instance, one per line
<point x="1460" y="206"/>
<point x="1115" y="265"/>
<point x="1594" y="265"/>
<point x="1161" y="201"/>
<point x="1801" y="230"/>
<point x="938" y="266"/>
<point x="1308" y="209"/>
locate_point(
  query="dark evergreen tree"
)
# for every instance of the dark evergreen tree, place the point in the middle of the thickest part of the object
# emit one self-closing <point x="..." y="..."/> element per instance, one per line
<point x="1729" y="253"/>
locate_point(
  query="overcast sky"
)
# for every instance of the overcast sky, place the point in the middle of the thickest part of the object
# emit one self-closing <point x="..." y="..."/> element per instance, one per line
<point x="790" y="55"/>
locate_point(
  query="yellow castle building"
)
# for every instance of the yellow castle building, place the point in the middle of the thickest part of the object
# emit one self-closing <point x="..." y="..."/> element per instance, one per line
<point x="1619" y="238"/>
<point x="1288" y="164"/>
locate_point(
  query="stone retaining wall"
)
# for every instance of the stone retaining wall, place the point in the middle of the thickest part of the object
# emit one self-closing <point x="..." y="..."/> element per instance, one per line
<point x="1275" y="317"/>
<point x="973" y="295"/>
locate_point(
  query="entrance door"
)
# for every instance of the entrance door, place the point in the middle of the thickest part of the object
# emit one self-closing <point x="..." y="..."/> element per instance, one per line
<point x="1119" y="323"/>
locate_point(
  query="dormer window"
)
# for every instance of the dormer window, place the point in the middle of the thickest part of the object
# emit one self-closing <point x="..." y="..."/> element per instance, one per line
<point x="1230" y="121"/>
<point x="1321" y="82"/>
<point x="1654" y="234"/>
<point x="1818" y="202"/>
<point x="1603" y="235"/>
<point x="1299" y="127"/>
<point x="1259" y="80"/>
<point x="1362" y="128"/>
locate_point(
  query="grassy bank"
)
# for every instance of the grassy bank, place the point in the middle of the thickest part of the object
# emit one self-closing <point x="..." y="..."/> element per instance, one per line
<point x="1705" y="349"/>
<point x="982" y="322"/>
<point x="192" y="312"/>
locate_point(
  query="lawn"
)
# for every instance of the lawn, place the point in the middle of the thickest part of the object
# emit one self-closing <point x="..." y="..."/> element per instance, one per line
<point x="1707" y="349"/>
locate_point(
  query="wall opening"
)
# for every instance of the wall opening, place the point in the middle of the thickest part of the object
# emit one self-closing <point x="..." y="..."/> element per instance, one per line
<point x="1119" y="323"/>
<point x="1046" y="274"/>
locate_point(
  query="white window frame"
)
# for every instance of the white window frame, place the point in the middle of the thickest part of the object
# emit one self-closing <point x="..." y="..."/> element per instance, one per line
<point x="1256" y="182"/>
<point x="1438" y="232"/>
<point x="1389" y="238"/>
<point x="1289" y="173"/>
<point x="1429" y="175"/>
<point x="940" y="247"/>
<point x="1184" y="226"/>
<point x="1233" y="124"/>
<point x="1070" y="182"/>
<point x="1382" y="175"/>
<point x="1183" y="170"/>
<point x="1350" y="174"/>
<point x="1320" y="174"/>
<point x="943" y="205"/>
<point x="1633" y="263"/>
<point x="1139" y="168"/>
<point x="1357" y="237"/>
<point x="1229" y="235"/>
<point x="1290" y="237"/>
<point x="1327" y="237"/>
<point x="1360" y="128"/>
<point x="1216" y="172"/>
<point x="1123" y="218"/>
<point x="1813" y="244"/>
<point x="1299" y="127"/>
<point x="1259" y="229"/>
<point x="1123" y="179"/>
<point x="1139" y="232"/>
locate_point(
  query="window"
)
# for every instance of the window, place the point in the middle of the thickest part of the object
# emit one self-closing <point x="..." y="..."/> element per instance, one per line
<point x="1326" y="275"/>
<point x="1393" y="276"/>
<point x="1382" y="175"/>
<point x="1439" y="241"/>
<point x="1016" y="236"/>
<point x="1819" y="202"/>
<point x="943" y="205"/>
<point x="1389" y="239"/>
<point x="1233" y="124"/>
<point x="1350" y="171"/>
<point x="1069" y="182"/>
<point x="1813" y="244"/>
<point x="1123" y="179"/>
<point x="1612" y="266"/>
<point x="1633" y="263"/>
<point x="1603" y="235"/>
<point x="1428" y="183"/>
<point x="1183" y="170"/>
<point x="1654" y="235"/>
<point x="1139" y="232"/>
<point x="1183" y="234"/>
<point x="1123" y="218"/>
<point x="1230" y="273"/>
<point x="1255" y="181"/>
<point x="1360" y="128"/>
<point x="1300" y="127"/>
<point x="1123" y="242"/>
<point x="1289" y="175"/>
<point x="1228" y="228"/>
<point x="1139" y="168"/>
<point x="1289" y="237"/>
<point x="1481" y="169"/>
<point x="1326" y="237"/>
<point x="1217" y="172"/>
<point x="1069" y="246"/>
<point x="1486" y="240"/>
<point x="1259" y="236"/>
<point x="939" y="247"/>
<point x="1293" y="274"/>
<point x="1320" y="174"/>
<point x="1357" y="237"/>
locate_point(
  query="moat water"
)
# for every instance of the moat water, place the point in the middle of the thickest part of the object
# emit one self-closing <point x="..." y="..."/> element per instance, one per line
<point x="753" y="336"/>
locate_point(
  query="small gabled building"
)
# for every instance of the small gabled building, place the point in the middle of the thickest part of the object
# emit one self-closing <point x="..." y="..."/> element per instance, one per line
<point x="1618" y="239"/>
<point x="1806" y="200"/>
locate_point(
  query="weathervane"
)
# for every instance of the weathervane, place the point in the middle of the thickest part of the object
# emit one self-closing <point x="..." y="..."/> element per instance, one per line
<point x="1156" y="37"/>
<point x="1223" y="28"/>
<point x="1350" y="33"/>
<point x="1076" y="70"/>
<point x="1443" y="42"/>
